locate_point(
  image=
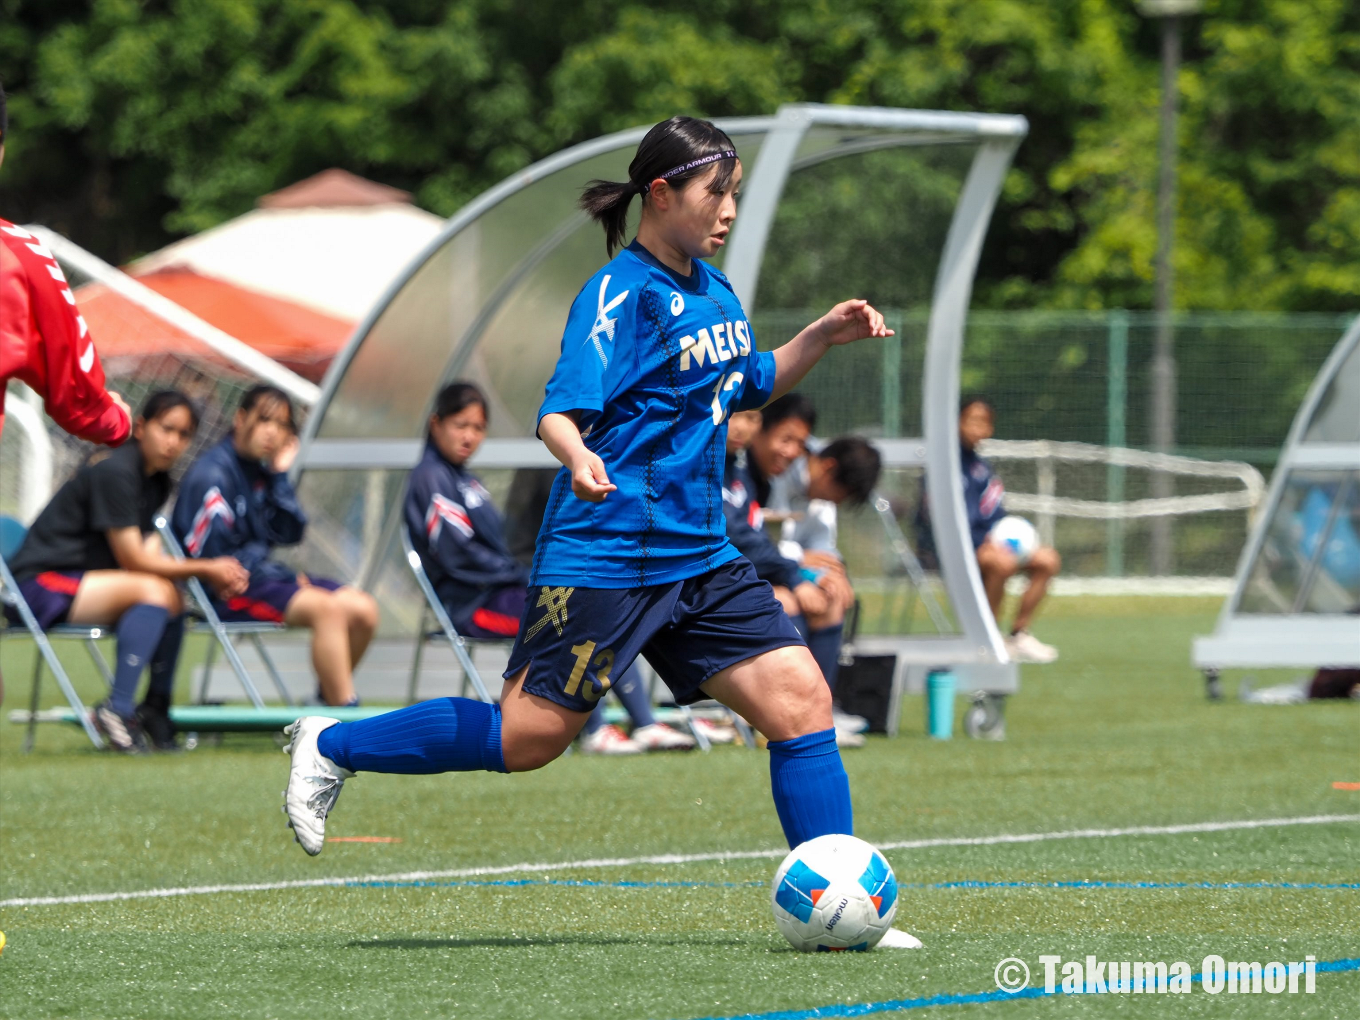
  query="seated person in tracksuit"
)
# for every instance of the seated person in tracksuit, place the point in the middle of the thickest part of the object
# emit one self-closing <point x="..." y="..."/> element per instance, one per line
<point x="811" y="596"/>
<point x="93" y="557"/>
<point x="236" y="500"/>
<point x="460" y="537"/>
<point x="983" y="498"/>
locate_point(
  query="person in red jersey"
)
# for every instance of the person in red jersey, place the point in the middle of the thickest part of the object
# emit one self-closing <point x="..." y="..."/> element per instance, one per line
<point x="45" y="343"/>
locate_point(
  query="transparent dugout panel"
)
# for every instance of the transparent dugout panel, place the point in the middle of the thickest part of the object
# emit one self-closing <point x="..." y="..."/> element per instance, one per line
<point x="857" y="221"/>
<point x="1309" y="560"/>
<point x="1337" y="418"/>
<point x="489" y="305"/>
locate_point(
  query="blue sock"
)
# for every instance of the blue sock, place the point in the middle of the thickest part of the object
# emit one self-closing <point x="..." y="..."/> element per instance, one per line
<point x="825" y="646"/>
<point x="633" y="693"/>
<point x="139" y="632"/>
<point x="444" y="735"/>
<point x="164" y="660"/>
<point x="811" y="789"/>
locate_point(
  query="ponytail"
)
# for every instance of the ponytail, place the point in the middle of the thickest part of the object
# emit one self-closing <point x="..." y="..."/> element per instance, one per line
<point x="676" y="151"/>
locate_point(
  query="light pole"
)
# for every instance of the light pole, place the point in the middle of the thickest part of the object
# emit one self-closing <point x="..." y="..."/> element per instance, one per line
<point x="1163" y="380"/>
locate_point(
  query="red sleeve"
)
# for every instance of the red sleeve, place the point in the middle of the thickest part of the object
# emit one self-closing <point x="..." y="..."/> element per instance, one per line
<point x="45" y="343"/>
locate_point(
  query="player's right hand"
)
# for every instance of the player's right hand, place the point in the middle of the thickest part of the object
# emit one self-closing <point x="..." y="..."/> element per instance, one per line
<point x="812" y="600"/>
<point x="589" y="480"/>
<point x="227" y="575"/>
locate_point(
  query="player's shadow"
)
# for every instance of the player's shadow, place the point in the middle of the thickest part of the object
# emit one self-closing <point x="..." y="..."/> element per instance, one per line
<point x="510" y="941"/>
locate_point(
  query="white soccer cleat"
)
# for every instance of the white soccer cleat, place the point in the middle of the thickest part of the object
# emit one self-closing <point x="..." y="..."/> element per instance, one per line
<point x="609" y="739"/>
<point x="896" y="938"/>
<point x="660" y="737"/>
<point x="314" y="783"/>
<point x="1023" y="646"/>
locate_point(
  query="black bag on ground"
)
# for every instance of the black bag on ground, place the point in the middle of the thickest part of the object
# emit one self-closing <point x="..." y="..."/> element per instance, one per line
<point x="864" y="687"/>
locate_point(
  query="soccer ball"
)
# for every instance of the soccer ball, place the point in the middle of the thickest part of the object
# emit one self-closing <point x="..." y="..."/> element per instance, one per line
<point x="1016" y="535"/>
<point x="834" y="893"/>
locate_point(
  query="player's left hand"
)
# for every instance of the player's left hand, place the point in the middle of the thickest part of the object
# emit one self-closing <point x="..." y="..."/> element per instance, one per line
<point x="850" y="321"/>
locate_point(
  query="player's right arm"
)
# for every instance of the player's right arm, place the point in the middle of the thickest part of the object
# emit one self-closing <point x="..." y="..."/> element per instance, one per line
<point x="589" y="479"/>
<point x="38" y="317"/>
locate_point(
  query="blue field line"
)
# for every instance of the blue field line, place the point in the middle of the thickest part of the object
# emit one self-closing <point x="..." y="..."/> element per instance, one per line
<point x="961" y="999"/>
<point x="1087" y="884"/>
<point x="518" y="883"/>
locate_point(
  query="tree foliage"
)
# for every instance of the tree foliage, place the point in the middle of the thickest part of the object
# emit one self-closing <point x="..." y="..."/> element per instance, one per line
<point x="134" y="121"/>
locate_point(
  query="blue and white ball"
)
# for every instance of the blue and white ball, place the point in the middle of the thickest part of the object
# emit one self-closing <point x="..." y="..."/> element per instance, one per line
<point x="1017" y="536"/>
<point x="834" y="893"/>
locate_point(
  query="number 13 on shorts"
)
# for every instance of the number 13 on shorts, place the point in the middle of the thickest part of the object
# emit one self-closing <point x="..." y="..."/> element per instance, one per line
<point x="603" y="661"/>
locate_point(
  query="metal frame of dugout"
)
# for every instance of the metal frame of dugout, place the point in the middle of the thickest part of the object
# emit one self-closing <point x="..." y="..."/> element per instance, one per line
<point x="1297" y="588"/>
<point x="451" y="301"/>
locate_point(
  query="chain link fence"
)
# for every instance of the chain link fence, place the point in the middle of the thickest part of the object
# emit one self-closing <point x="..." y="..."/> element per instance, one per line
<point x="1082" y="377"/>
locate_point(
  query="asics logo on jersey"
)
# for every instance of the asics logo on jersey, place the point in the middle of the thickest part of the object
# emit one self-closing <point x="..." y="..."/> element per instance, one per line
<point x="554" y="600"/>
<point x="677" y="302"/>
<point x="722" y="341"/>
<point x="604" y="325"/>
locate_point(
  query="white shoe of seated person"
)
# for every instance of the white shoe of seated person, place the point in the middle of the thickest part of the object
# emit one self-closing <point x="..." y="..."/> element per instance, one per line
<point x="896" y="938"/>
<point x="314" y="783"/>
<point x="847" y="738"/>
<point x="846" y="721"/>
<point x="609" y="739"/>
<point x="1022" y="646"/>
<point x="716" y="733"/>
<point x="660" y="737"/>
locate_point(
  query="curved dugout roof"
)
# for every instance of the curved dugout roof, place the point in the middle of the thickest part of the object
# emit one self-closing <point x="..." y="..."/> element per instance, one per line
<point x="487" y="301"/>
<point x="1297" y="590"/>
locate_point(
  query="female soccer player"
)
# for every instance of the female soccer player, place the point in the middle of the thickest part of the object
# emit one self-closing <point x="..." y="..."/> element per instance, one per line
<point x="460" y="538"/>
<point x="92" y="557"/>
<point x="633" y="555"/>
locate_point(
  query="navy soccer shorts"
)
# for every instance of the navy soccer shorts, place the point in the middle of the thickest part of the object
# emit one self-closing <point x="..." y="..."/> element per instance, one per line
<point x="577" y="640"/>
<point x="266" y="601"/>
<point x="49" y="595"/>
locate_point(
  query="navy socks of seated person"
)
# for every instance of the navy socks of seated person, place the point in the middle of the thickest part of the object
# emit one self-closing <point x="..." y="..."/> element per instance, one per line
<point x="825" y="646"/>
<point x="443" y="735"/>
<point x="633" y="693"/>
<point x="139" y="630"/>
<point x="810" y="787"/>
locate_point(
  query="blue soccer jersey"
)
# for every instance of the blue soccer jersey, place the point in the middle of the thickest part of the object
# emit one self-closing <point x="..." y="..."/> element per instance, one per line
<point x="653" y="362"/>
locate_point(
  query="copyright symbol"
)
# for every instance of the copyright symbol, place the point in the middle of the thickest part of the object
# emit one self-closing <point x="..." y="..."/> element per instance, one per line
<point x="1012" y="975"/>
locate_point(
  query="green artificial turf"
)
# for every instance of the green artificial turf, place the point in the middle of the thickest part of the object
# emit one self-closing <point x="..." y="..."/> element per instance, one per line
<point x="1116" y="734"/>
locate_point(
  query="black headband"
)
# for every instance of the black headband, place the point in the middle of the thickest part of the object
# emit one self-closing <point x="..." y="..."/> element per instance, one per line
<point x="693" y="164"/>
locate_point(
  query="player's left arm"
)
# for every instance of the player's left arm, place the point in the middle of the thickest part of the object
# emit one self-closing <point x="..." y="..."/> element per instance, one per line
<point x="845" y="323"/>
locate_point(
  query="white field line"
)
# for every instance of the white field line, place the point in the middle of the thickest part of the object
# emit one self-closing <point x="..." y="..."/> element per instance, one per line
<point x="622" y="862"/>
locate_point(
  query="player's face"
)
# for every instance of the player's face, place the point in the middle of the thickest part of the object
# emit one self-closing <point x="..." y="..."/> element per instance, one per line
<point x="458" y="436"/>
<point x="741" y="429"/>
<point x="164" y="439"/>
<point x="778" y="446"/>
<point x="822" y="483"/>
<point x="699" y="219"/>
<point x="261" y="432"/>
<point x="975" y="425"/>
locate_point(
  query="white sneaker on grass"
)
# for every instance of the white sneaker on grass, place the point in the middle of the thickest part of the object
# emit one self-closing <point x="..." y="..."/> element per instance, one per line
<point x="314" y="783"/>
<point x="1022" y="646"/>
<point x="846" y="721"/>
<point x="717" y="733"/>
<point x="896" y="938"/>
<point x="660" y="737"/>
<point x="609" y="739"/>
<point x="848" y="738"/>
